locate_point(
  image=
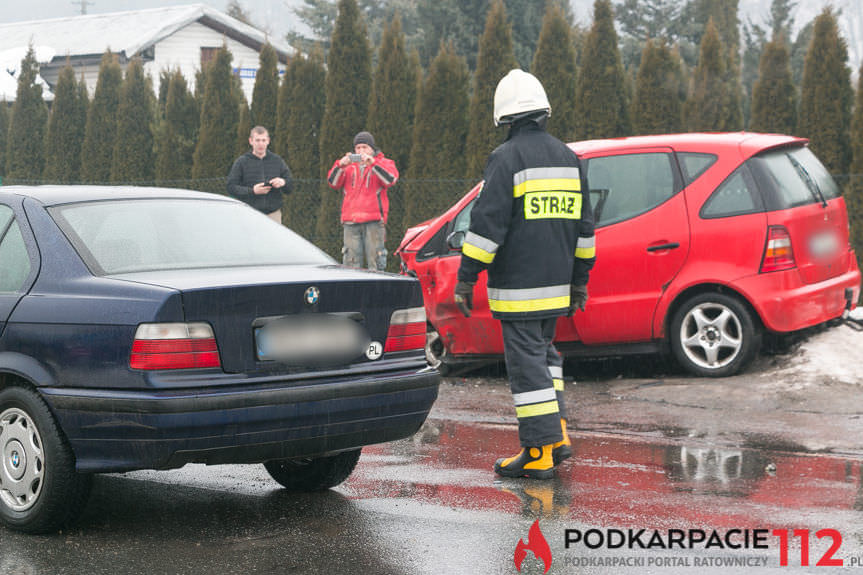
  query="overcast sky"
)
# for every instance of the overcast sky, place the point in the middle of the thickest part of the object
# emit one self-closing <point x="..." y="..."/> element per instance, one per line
<point x="276" y="12"/>
<point x="277" y="17"/>
<point x="273" y="14"/>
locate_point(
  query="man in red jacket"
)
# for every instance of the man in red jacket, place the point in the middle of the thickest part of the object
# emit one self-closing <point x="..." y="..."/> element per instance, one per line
<point x="364" y="177"/>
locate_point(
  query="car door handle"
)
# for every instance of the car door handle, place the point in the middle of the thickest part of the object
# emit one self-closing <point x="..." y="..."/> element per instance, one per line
<point x="669" y="246"/>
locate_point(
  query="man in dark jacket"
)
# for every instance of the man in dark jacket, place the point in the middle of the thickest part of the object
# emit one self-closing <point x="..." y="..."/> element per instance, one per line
<point x="532" y="230"/>
<point x="259" y="177"/>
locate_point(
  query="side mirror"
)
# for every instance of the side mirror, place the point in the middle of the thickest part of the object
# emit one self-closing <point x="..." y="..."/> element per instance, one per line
<point x="456" y="240"/>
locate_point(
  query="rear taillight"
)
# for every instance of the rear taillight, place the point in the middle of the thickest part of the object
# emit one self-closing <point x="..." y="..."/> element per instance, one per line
<point x="407" y="330"/>
<point x="174" y="346"/>
<point x="778" y="254"/>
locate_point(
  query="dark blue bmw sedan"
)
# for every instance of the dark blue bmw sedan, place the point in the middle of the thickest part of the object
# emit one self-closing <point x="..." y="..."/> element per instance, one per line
<point x="146" y="328"/>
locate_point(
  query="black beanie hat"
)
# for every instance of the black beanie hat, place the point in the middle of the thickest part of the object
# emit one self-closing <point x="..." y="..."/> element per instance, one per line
<point x="365" y="138"/>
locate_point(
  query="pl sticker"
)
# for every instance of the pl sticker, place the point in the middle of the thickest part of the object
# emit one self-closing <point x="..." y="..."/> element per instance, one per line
<point x="375" y="350"/>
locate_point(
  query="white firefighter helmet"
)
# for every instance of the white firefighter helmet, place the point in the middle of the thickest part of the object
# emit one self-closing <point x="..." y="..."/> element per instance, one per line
<point x="518" y="93"/>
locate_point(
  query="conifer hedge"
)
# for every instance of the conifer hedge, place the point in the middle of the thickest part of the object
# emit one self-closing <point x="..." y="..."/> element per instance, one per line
<point x="220" y="111"/>
<point x="494" y="61"/>
<point x="133" y="160"/>
<point x="177" y="134"/>
<point x="601" y="96"/>
<point x="707" y="106"/>
<point x="391" y="115"/>
<point x="25" y="151"/>
<point x="348" y="84"/>
<point x="826" y="95"/>
<point x="659" y="91"/>
<point x="4" y="132"/>
<point x="279" y="140"/>
<point x="854" y="187"/>
<point x="100" y="132"/>
<point x="307" y="75"/>
<point x="65" y="127"/>
<point x="554" y="66"/>
<point x="265" y="93"/>
<point x="774" y="98"/>
<point x="437" y="165"/>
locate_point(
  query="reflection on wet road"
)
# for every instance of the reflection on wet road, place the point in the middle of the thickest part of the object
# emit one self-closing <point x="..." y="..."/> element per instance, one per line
<point x="623" y="483"/>
<point x="431" y="505"/>
<point x="610" y="479"/>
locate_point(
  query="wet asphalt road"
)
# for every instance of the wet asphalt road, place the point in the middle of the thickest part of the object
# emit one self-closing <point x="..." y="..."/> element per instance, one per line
<point x="651" y="451"/>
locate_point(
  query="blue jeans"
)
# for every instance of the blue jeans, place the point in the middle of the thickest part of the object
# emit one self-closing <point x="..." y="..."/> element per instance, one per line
<point x="365" y="239"/>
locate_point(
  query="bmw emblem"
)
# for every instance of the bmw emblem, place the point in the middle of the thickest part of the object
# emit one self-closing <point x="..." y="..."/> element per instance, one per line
<point x="312" y="295"/>
<point x="15" y="459"/>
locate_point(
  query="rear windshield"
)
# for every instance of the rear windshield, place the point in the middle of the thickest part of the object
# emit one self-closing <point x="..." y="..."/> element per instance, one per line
<point x="120" y="236"/>
<point x="793" y="177"/>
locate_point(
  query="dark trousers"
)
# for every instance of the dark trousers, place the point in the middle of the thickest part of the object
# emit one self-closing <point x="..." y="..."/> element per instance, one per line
<point x="535" y="371"/>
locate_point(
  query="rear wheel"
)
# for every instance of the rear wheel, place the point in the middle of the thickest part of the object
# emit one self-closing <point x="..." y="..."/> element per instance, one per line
<point x="714" y="335"/>
<point x="40" y="491"/>
<point x="313" y="474"/>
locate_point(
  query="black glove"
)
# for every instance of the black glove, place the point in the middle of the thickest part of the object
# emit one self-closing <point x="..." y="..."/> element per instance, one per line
<point x="577" y="298"/>
<point x="463" y="296"/>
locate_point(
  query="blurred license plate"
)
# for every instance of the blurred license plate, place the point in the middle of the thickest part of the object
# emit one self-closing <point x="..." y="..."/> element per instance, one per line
<point x="824" y="245"/>
<point x="310" y="339"/>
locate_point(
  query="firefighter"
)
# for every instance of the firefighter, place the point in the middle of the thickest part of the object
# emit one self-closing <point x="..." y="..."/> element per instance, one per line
<point x="532" y="230"/>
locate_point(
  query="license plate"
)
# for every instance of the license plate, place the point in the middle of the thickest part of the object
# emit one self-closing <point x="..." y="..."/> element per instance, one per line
<point x="310" y="339"/>
<point x="823" y="245"/>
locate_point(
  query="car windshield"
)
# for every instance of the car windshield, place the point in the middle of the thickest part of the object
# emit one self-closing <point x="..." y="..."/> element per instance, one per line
<point x="120" y="236"/>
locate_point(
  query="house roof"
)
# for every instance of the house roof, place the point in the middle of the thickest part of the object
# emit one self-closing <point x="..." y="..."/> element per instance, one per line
<point x="10" y="64"/>
<point x="127" y="32"/>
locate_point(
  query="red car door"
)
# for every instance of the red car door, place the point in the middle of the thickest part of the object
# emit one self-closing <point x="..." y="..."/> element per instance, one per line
<point x="642" y="240"/>
<point x="480" y="334"/>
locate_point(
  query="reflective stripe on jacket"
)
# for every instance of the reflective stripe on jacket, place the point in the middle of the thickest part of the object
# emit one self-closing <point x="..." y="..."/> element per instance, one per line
<point x="531" y="226"/>
<point x="365" y="188"/>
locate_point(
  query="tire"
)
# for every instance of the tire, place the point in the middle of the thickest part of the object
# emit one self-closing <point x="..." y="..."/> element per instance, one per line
<point x="313" y="474"/>
<point x="40" y="491"/>
<point x="714" y="335"/>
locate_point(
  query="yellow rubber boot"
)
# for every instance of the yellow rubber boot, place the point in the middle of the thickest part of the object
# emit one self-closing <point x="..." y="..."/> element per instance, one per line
<point x="562" y="449"/>
<point x="532" y="462"/>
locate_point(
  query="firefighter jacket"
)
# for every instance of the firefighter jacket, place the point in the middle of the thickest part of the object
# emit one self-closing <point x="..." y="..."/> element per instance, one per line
<point x="365" y="189"/>
<point x="531" y="226"/>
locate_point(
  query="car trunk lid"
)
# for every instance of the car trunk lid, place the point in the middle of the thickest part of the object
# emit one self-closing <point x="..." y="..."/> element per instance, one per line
<point x="801" y="196"/>
<point x="819" y="238"/>
<point x="237" y="302"/>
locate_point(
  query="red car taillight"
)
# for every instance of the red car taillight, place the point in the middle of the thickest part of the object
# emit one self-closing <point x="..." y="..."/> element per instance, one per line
<point x="407" y="330"/>
<point x="174" y="346"/>
<point x="778" y="254"/>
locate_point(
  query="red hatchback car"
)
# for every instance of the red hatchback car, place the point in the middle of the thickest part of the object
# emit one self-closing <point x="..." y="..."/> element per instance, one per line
<point x="704" y="242"/>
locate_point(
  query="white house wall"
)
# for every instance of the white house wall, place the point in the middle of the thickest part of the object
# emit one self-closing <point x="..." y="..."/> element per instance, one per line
<point x="90" y="74"/>
<point x="183" y="50"/>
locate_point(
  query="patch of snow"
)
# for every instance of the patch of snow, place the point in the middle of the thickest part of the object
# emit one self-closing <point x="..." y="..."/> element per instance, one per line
<point x="835" y="354"/>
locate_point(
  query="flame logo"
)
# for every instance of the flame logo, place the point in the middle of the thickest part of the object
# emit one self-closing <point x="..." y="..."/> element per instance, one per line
<point x="537" y="544"/>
